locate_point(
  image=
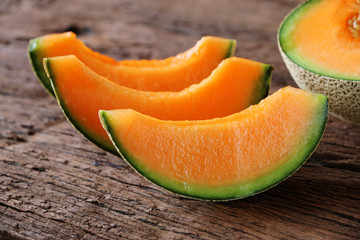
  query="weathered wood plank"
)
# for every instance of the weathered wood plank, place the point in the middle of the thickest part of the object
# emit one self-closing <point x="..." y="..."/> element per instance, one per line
<point x="111" y="191"/>
<point x="56" y="185"/>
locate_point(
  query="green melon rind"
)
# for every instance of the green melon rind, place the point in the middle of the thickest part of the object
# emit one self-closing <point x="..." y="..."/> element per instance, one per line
<point x="73" y="121"/>
<point x="261" y="90"/>
<point x="231" y="49"/>
<point x="242" y="190"/>
<point x="36" y="55"/>
<point x="343" y="93"/>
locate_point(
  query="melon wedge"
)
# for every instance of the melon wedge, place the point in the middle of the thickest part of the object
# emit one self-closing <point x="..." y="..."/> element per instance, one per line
<point x="233" y="86"/>
<point x="223" y="158"/>
<point x="320" y="44"/>
<point x="171" y="74"/>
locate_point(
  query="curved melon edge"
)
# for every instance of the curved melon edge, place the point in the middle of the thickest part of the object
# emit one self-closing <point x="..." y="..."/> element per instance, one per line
<point x="261" y="91"/>
<point x="36" y="61"/>
<point x="36" y="57"/>
<point x="346" y="108"/>
<point x="343" y="102"/>
<point x="227" y="193"/>
<point x="83" y="131"/>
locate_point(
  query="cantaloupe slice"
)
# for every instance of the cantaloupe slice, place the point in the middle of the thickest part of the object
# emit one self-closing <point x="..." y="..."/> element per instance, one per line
<point x="233" y="86"/>
<point x="320" y="45"/>
<point x="171" y="74"/>
<point x="223" y="158"/>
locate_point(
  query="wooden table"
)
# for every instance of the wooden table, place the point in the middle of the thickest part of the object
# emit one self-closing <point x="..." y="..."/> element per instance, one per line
<point x="56" y="185"/>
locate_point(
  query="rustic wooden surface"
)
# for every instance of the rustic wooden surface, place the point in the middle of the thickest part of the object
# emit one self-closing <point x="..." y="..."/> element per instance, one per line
<point x="56" y="185"/>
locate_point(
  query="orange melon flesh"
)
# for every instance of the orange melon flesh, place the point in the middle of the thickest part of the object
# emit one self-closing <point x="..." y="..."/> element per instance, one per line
<point x="233" y="86"/>
<point x="223" y="158"/>
<point x="320" y="36"/>
<point x="171" y="74"/>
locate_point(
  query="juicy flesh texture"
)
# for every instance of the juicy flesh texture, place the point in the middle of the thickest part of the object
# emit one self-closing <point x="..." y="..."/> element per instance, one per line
<point x="232" y="87"/>
<point x="223" y="151"/>
<point x="320" y="39"/>
<point x="171" y="74"/>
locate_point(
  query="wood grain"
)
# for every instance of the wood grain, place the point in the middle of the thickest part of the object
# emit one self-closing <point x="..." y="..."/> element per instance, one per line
<point x="56" y="185"/>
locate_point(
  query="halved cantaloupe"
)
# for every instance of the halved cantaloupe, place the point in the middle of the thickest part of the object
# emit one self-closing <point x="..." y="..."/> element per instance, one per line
<point x="224" y="158"/>
<point x="320" y="45"/>
<point x="233" y="86"/>
<point x="171" y="74"/>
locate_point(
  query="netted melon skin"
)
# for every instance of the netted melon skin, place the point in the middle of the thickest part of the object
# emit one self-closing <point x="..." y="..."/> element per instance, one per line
<point x="344" y="95"/>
